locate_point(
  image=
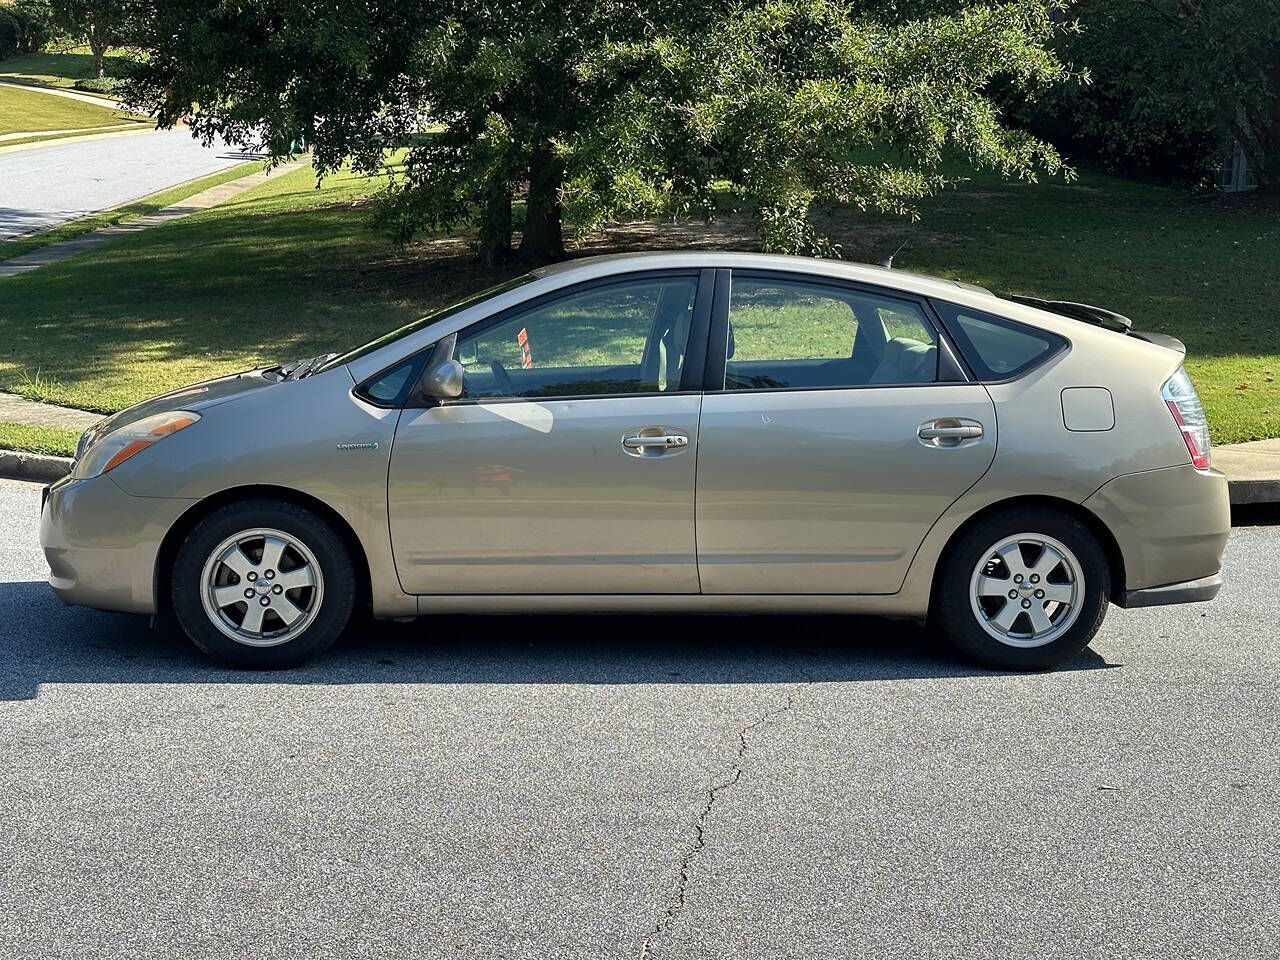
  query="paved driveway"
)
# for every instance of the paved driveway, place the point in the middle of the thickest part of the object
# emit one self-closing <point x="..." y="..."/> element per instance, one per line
<point x="45" y="186"/>
<point x="664" y="787"/>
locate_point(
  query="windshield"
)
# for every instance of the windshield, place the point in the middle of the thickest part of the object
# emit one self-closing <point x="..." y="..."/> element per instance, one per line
<point x="426" y="321"/>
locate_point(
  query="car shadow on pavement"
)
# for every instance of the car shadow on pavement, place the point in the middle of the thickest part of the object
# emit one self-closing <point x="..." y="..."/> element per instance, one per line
<point x="46" y="642"/>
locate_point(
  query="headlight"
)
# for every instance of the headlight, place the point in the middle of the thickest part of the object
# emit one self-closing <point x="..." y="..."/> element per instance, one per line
<point x="121" y="444"/>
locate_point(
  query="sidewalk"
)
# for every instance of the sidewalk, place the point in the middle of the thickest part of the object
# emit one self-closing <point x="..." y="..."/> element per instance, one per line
<point x="56" y="252"/>
<point x="15" y="409"/>
<point x="100" y="101"/>
<point x="1252" y="469"/>
<point x="67" y="133"/>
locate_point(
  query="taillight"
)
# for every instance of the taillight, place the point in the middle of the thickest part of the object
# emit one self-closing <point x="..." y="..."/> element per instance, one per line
<point x="1184" y="404"/>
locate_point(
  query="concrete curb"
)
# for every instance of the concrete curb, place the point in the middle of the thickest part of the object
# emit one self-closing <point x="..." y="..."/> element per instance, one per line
<point x="1248" y="492"/>
<point x="35" y="467"/>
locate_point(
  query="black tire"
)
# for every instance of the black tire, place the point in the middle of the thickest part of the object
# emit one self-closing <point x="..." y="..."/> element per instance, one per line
<point x="312" y="530"/>
<point x="954" y="610"/>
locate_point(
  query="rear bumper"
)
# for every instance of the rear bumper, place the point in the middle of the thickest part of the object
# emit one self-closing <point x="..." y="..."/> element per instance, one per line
<point x="1171" y="526"/>
<point x="1192" y="591"/>
<point x="101" y="543"/>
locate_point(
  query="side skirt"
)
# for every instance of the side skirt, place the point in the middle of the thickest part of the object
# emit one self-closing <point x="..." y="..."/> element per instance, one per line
<point x="883" y="605"/>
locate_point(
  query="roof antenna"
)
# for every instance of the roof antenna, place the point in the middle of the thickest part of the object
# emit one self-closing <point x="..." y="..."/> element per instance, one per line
<point x="887" y="262"/>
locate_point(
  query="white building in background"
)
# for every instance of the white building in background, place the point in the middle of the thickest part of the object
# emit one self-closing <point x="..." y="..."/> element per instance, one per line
<point x="1236" y="174"/>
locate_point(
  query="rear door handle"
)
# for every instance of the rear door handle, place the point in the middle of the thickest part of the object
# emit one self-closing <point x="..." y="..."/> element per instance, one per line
<point x="666" y="440"/>
<point x="948" y="432"/>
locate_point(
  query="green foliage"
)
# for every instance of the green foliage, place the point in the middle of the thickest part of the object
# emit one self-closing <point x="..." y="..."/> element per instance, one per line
<point x="10" y="34"/>
<point x="604" y="109"/>
<point x="25" y="26"/>
<point x="1169" y="79"/>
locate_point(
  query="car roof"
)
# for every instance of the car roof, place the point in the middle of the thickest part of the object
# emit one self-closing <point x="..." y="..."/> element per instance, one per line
<point x="587" y="268"/>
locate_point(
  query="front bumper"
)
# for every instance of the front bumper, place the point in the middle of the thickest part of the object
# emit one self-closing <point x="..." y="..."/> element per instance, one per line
<point x="101" y="543"/>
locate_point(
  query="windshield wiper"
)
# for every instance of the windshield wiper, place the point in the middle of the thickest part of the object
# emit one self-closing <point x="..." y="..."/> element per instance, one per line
<point x="304" y="368"/>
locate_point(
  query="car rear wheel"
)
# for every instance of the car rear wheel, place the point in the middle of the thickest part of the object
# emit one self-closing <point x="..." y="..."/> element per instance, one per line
<point x="263" y="584"/>
<point x="1025" y="589"/>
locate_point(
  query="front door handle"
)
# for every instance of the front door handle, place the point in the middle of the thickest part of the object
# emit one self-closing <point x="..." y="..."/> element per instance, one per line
<point x="948" y="432"/>
<point x="653" y="441"/>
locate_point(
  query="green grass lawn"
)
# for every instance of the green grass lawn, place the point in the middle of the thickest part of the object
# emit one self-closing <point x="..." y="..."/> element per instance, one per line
<point x="1206" y="271"/>
<point x="54" y="441"/>
<point x="23" y="111"/>
<point x="57" y="67"/>
<point x="123" y="214"/>
<point x="286" y="271"/>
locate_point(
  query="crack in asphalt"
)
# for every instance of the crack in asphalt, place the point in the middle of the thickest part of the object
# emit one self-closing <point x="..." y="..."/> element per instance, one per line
<point x="674" y="908"/>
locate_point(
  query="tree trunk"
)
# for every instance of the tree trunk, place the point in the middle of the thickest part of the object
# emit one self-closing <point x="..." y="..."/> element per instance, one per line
<point x="99" y="49"/>
<point x="495" y="220"/>
<point x="1268" y="170"/>
<point x="543" y="237"/>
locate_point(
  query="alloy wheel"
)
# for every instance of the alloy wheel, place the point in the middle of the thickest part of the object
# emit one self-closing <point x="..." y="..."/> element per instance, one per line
<point x="1027" y="590"/>
<point x="262" y="587"/>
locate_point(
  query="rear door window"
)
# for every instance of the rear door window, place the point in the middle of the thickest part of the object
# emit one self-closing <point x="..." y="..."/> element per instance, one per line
<point x="996" y="348"/>
<point x="795" y="334"/>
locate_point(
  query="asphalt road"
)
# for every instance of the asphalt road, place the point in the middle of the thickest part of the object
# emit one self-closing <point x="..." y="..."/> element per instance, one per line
<point x="44" y="186"/>
<point x="628" y="787"/>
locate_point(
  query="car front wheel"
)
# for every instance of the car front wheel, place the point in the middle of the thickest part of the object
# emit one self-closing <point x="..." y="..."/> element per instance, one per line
<point x="1024" y="590"/>
<point x="263" y="584"/>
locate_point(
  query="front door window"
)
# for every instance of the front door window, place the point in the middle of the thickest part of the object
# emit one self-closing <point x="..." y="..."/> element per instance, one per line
<point x="623" y="338"/>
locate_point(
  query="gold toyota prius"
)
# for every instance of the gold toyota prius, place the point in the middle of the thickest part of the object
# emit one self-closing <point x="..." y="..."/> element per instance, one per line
<point x="701" y="432"/>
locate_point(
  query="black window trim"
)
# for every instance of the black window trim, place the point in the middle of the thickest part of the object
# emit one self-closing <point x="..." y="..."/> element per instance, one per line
<point x="419" y="360"/>
<point x="951" y="370"/>
<point x="1062" y="344"/>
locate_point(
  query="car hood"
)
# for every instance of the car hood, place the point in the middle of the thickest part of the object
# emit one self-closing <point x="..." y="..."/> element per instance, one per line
<point x="194" y="398"/>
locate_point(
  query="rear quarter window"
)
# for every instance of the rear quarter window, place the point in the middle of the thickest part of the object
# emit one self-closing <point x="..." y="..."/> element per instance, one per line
<point x="994" y="347"/>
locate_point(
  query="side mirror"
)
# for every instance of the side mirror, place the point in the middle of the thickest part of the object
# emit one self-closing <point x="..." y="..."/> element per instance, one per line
<point x="443" y="380"/>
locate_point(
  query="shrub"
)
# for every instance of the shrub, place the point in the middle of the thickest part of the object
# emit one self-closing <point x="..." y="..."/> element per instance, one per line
<point x="25" y="27"/>
<point x="98" y="84"/>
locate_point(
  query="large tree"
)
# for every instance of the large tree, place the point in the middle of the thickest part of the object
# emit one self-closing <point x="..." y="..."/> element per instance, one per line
<point x="1169" y="79"/>
<point x="99" y="23"/>
<point x="600" y="109"/>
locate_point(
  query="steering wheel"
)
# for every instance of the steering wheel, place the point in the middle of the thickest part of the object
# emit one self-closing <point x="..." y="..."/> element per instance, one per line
<point x="503" y="378"/>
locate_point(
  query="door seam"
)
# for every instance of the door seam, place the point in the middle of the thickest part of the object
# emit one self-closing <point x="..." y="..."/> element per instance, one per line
<point x="697" y="457"/>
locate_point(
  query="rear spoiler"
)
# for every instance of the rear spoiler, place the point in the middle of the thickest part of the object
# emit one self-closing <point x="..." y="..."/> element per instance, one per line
<point x="1161" y="340"/>
<point x="1108" y="319"/>
<point x="1077" y="311"/>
